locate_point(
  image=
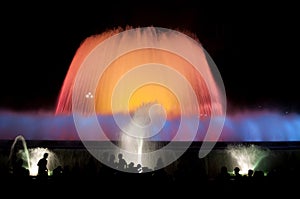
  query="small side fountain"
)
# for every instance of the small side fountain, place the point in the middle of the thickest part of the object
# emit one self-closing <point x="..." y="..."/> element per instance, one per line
<point x="31" y="156"/>
<point x="247" y="156"/>
<point x="25" y="157"/>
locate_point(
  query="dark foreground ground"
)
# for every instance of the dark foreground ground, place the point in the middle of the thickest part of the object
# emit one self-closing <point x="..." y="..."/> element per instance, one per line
<point x="154" y="184"/>
<point x="190" y="177"/>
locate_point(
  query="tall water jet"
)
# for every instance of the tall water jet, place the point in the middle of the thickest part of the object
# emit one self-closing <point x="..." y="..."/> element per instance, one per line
<point x="138" y="142"/>
<point x="26" y="155"/>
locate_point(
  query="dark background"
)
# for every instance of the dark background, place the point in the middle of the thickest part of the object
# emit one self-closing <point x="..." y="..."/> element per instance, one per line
<point x="255" y="47"/>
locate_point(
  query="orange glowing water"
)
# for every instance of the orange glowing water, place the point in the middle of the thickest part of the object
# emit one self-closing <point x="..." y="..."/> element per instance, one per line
<point x="152" y="92"/>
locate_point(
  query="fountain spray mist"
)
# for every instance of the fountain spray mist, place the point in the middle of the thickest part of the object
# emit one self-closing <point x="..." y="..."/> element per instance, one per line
<point x="118" y="64"/>
<point x="127" y="69"/>
<point x="247" y="156"/>
<point x="26" y="152"/>
<point x="100" y="100"/>
<point x="31" y="156"/>
<point x="138" y="140"/>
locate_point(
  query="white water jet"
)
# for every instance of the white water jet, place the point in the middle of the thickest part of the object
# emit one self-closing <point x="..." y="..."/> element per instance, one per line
<point x="25" y="150"/>
<point x="148" y="117"/>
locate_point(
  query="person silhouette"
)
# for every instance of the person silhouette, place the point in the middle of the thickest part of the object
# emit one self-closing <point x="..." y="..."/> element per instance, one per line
<point x="111" y="161"/>
<point x="223" y="176"/>
<point x="131" y="168"/>
<point x="237" y="175"/>
<point x="42" y="164"/>
<point x="122" y="164"/>
<point x="139" y="168"/>
<point x="19" y="170"/>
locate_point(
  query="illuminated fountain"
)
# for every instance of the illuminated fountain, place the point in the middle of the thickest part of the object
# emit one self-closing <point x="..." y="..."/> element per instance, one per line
<point x="25" y="153"/>
<point x="116" y="73"/>
<point x="31" y="156"/>
<point x="117" y="65"/>
<point x="247" y="156"/>
<point x="159" y="78"/>
<point x="137" y="144"/>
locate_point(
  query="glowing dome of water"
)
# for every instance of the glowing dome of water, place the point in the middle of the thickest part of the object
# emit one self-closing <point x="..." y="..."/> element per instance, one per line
<point x="119" y="71"/>
<point x="202" y="82"/>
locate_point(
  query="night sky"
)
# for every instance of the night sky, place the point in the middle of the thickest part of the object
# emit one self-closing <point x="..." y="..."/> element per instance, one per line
<point x="257" y="58"/>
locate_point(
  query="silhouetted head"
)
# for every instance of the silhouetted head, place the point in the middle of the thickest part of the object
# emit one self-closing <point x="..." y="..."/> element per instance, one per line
<point x="250" y="172"/>
<point x="46" y="155"/>
<point x="236" y="170"/>
<point x="120" y="155"/>
<point x="224" y="169"/>
<point x="131" y="164"/>
<point x="112" y="157"/>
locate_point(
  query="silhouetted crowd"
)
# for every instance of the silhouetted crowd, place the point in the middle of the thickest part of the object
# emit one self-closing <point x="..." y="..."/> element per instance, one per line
<point x="189" y="174"/>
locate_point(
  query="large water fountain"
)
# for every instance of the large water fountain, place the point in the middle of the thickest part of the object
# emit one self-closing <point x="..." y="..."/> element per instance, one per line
<point x="140" y="88"/>
<point x="116" y="73"/>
